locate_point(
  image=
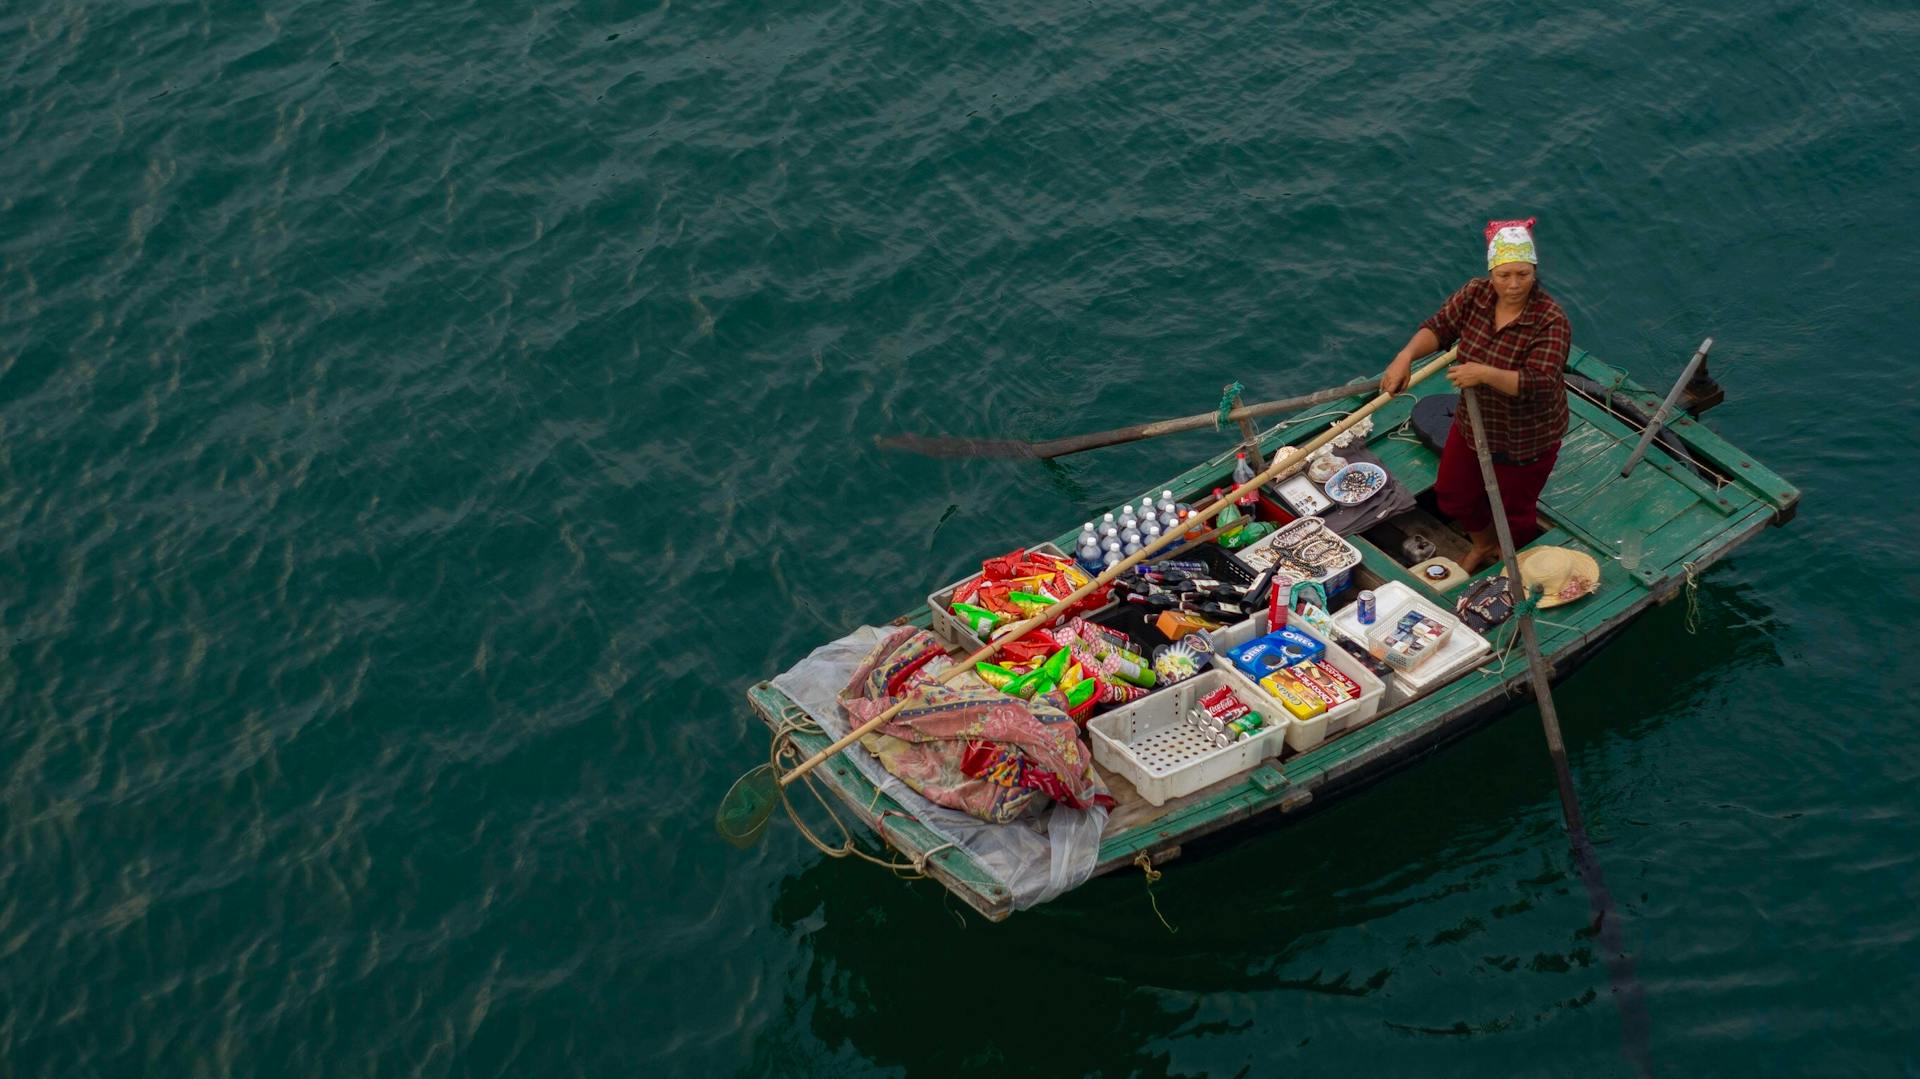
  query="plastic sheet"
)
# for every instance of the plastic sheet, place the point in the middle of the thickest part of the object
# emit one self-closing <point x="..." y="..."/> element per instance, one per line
<point x="1036" y="858"/>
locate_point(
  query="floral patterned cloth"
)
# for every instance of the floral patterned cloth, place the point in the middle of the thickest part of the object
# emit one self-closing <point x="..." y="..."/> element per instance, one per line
<point x="966" y="745"/>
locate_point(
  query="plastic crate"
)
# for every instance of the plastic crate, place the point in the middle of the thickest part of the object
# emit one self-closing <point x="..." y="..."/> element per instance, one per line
<point x="1258" y="556"/>
<point x="1150" y="743"/>
<point x="949" y="628"/>
<point x="1137" y="621"/>
<point x="1464" y="647"/>
<point x="1308" y="733"/>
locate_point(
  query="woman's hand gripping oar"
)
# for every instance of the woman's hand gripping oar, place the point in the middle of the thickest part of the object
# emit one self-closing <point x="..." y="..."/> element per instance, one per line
<point x="1628" y="994"/>
<point x="748" y="805"/>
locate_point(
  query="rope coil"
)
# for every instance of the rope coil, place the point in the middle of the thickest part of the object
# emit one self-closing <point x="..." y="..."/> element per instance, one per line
<point x="783" y="748"/>
<point x="1228" y="394"/>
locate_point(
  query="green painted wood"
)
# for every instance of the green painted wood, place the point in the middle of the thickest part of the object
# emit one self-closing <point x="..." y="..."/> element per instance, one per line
<point x="1625" y="438"/>
<point x="1750" y="475"/>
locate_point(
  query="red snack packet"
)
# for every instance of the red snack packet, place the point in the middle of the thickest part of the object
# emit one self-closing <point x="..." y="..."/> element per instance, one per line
<point x="1004" y="566"/>
<point x="1034" y="646"/>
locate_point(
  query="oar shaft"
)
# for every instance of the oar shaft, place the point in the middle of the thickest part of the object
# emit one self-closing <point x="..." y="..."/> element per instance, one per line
<point x="1628" y="993"/>
<point x="1537" y="671"/>
<point x="1280" y="466"/>
<point x="1060" y="447"/>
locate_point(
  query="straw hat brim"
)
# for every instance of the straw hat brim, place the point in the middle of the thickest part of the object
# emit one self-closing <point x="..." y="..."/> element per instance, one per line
<point x="1582" y="578"/>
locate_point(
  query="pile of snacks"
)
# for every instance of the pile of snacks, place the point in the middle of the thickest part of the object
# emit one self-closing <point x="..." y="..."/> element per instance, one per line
<point x="1089" y="665"/>
<point x="1018" y="585"/>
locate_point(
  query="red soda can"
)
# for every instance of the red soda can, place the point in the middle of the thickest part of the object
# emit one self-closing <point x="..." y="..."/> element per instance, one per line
<point x="1218" y="695"/>
<point x="1222" y="704"/>
<point x="1233" y="713"/>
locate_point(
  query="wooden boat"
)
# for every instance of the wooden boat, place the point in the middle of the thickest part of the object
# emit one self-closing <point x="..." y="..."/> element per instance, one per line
<point x="1686" y="506"/>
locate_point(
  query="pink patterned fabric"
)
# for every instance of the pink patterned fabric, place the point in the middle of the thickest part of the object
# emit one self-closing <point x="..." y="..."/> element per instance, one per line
<point x="968" y="746"/>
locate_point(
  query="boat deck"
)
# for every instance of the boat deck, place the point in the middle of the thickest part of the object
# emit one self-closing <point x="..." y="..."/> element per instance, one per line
<point x="1649" y="531"/>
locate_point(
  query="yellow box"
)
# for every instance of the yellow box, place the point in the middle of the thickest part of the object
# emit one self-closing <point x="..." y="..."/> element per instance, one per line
<point x="1292" y="695"/>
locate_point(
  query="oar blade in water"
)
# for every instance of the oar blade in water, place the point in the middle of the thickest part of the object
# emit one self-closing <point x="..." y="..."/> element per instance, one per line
<point x="743" y="814"/>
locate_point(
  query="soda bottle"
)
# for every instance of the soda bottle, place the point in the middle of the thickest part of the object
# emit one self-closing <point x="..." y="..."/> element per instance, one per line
<point x="1242" y="475"/>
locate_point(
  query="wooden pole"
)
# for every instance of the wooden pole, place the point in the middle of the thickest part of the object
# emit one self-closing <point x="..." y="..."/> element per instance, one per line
<point x="1628" y="993"/>
<point x="1537" y="671"/>
<point x="1659" y="419"/>
<point x="1250" y="437"/>
<point x="957" y="446"/>
<point x="1168" y="538"/>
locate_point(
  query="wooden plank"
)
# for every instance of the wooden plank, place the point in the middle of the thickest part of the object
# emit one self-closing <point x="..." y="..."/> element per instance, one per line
<point x="1625" y="437"/>
<point x="1757" y="480"/>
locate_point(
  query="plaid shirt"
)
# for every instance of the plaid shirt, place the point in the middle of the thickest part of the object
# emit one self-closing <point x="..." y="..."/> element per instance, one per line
<point x="1525" y="427"/>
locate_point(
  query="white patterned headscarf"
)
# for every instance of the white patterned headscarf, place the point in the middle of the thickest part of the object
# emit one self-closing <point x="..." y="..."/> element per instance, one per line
<point x="1510" y="241"/>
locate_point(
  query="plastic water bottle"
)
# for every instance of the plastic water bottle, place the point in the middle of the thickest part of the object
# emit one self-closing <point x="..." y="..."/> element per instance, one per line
<point x="1088" y="535"/>
<point x="1111" y="558"/>
<point x="1147" y="512"/>
<point x="1111" y="543"/>
<point x="1168" y="507"/>
<point x="1150" y="531"/>
<point x="1130" y="536"/>
<point x="1127" y="518"/>
<point x="1130" y="549"/>
<point x="1108" y="526"/>
<point x="1242" y="475"/>
<point x="1088" y="553"/>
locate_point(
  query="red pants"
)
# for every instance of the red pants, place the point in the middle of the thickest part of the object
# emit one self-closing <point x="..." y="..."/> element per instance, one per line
<point x="1462" y="494"/>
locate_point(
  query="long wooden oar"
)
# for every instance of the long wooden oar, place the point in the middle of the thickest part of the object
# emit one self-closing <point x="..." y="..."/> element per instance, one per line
<point x="744" y="812"/>
<point x="957" y="446"/>
<point x="1626" y="986"/>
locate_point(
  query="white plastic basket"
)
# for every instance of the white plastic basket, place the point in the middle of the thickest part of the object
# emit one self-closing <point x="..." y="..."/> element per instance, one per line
<point x="1308" y="733"/>
<point x="949" y="628"/>
<point x="1464" y="647"/>
<point x="1151" y="744"/>
<point x="1259" y="556"/>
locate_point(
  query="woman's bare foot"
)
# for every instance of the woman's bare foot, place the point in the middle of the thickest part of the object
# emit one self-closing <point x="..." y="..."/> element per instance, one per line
<point x="1485" y="551"/>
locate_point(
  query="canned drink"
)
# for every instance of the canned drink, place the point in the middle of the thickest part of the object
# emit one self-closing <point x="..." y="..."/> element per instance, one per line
<point x="1368" y="607"/>
<point x="1233" y="713"/>
<point x="1216" y="696"/>
<point x="1215" y="709"/>
<point x="1225" y="701"/>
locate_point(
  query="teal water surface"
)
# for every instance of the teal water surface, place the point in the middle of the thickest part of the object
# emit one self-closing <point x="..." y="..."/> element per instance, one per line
<point x="420" y="423"/>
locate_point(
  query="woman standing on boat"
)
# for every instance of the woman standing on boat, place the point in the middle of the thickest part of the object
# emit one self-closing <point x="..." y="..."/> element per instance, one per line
<point x="1513" y="340"/>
